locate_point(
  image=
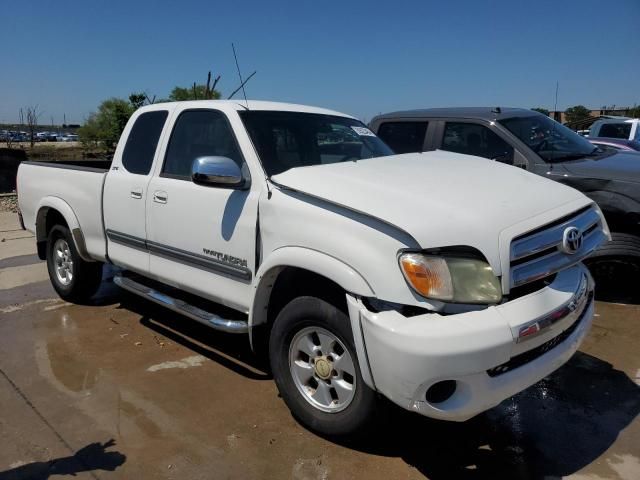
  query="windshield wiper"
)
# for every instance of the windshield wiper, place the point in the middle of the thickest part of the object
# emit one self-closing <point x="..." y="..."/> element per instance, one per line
<point x="574" y="156"/>
<point x="570" y="156"/>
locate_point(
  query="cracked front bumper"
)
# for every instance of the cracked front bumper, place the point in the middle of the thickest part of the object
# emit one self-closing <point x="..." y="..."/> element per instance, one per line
<point x="483" y="351"/>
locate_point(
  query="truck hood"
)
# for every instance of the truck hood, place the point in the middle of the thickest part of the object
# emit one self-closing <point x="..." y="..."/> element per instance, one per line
<point x="439" y="198"/>
<point x="612" y="181"/>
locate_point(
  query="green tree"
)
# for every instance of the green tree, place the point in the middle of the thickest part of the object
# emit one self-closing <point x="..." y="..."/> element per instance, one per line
<point x="579" y="112"/>
<point x="103" y="128"/>
<point x="634" y="112"/>
<point x="195" y="92"/>
<point x="137" y="100"/>
<point x="543" y="111"/>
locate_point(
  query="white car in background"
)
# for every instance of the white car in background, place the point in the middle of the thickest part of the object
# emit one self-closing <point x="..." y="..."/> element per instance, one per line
<point x="623" y="127"/>
<point x="68" y="137"/>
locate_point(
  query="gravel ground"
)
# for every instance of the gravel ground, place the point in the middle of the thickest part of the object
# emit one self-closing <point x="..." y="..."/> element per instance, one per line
<point x="9" y="203"/>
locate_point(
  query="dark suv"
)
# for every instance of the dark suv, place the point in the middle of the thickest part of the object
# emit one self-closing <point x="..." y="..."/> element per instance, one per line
<point x="533" y="141"/>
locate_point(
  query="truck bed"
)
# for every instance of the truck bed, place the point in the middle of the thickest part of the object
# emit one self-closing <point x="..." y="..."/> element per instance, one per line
<point x="74" y="188"/>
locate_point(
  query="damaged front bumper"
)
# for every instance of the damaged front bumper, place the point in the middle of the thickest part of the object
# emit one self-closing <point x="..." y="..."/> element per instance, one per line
<point x="482" y="357"/>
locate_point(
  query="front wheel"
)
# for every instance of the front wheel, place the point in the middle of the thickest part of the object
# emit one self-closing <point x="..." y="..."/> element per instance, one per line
<point x="75" y="279"/>
<point x="615" y="267"/>
<point x="316" y="369"/>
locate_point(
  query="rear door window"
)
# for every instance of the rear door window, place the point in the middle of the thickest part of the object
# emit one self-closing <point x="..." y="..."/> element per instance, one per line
<point x="403" y="137"/>
<point x="142" y="142"/>
<point x="474" y="139"/>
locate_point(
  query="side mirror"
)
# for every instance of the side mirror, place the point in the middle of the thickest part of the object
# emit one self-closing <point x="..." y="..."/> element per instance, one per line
<point x="217" y="171"/>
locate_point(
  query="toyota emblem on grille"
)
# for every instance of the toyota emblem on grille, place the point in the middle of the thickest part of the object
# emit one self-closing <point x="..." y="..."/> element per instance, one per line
<point x="571" y="240"/>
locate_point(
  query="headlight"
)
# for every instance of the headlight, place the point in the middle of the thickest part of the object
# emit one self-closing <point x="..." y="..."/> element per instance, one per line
<point x="452" y="279"/>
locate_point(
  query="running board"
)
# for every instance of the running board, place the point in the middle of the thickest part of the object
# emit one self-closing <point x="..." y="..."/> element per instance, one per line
<point x="182" y="307"/>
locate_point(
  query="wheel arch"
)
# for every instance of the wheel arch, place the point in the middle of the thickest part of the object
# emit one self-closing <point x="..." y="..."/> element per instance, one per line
<point x="621" y="212"/>
<point x="55" y="211"/>
<point x="299" y="266"/>
<point x="290" y="272"/>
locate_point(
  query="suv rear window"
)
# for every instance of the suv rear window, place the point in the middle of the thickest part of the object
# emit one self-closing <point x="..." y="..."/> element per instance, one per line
<point x="615" y="130"/>
<point x="142" y="142"/>
<point x="403" y="137"/>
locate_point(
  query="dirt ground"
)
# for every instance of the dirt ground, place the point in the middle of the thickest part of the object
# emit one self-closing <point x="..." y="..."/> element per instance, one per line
<point x="123" y="389"/>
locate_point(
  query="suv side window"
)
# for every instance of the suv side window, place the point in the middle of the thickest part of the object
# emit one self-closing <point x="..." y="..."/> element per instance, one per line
<point x="474" y="139"/>
<point x="142" y="142"/>
<point x="403" y="137"/>
<point x="199" y="133"/>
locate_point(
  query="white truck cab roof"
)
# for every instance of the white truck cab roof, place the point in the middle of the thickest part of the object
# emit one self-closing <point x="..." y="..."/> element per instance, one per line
<point x="240" y="105"/>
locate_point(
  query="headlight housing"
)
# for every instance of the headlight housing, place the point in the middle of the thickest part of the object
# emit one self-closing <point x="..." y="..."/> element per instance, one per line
<point x="450" y="278"/>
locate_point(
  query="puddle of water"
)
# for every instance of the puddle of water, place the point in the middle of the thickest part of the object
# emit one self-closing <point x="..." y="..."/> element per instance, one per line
<point x="68" y="367"/>
<point x="61" y="360"/>
<point x="147" y="426"/>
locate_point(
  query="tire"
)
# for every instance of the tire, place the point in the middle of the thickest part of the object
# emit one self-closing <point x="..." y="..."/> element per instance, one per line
<point x="348" y="411"/>
<point x="616" y="265"/>
<point x="74" y="279"/>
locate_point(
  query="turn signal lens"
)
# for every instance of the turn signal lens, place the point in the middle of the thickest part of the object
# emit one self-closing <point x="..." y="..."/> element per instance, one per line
<point x="454" y="279"/>
<point x="429" y="276"/>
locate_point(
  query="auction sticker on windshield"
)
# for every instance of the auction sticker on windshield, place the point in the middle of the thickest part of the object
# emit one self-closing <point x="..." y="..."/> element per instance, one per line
<point x="363" y="131"/>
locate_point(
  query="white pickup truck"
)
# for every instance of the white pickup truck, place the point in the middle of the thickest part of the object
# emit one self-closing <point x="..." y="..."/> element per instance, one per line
<point x="358" y="272"/>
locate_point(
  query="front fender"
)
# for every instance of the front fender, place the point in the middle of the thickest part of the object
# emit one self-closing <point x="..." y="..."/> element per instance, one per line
<point x="62" y="207"/>
<point x="322" y="264"/>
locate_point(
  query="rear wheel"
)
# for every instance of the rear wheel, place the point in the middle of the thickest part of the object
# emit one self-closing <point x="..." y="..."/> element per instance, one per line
<point x="316" y="369"/>
<point x="75" y="279"/>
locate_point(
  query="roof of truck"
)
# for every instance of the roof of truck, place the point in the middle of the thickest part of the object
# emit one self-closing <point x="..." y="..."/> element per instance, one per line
<point x="483" y="113"/>
<point x="249" y="105"/>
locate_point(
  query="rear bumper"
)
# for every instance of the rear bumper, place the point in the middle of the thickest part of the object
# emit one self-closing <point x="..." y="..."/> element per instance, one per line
<point x="479" y="350"/>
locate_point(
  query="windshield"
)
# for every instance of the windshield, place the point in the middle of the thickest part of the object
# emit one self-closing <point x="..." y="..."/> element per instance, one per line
<point x="287" y="140"/>
<point x="551" y="140"/>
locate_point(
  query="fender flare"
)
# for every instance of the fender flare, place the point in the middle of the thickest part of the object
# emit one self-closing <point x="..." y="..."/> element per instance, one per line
<point x="322" y="264"/>
<point x="62" y="207"/>
<point x="300" y="257"/>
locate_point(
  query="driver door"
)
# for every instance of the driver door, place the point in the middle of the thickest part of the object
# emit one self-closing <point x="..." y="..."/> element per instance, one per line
<point x="202" y="238"/>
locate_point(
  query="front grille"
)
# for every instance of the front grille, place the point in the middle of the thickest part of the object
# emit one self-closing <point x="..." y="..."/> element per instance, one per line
<point x="538" y="254"/>
<point x="540" y="350"/>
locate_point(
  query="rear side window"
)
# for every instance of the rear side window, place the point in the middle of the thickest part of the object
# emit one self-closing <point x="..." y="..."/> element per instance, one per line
<point x="199" y="133"/>
<point x="403" y="137"/>
<point x="615" y="130"/>
<point x="142" y="142"/>
<point x="473" y="139"/>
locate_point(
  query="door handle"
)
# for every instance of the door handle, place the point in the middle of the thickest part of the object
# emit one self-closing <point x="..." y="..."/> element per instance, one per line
<point x="136" y="193"/>
<point x="160" y="197"/>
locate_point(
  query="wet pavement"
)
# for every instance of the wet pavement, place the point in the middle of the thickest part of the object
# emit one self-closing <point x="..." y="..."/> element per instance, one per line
<point x="124" y="389"/>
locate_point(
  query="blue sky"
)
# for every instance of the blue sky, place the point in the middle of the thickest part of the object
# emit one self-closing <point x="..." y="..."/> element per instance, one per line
<point x="358" y="57"/>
